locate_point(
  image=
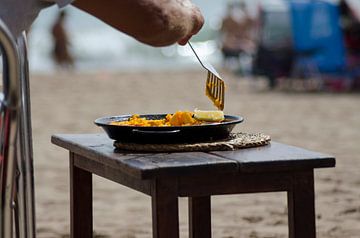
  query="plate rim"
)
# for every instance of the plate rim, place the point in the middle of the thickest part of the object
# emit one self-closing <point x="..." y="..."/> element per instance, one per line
<point x="238" y="119"/>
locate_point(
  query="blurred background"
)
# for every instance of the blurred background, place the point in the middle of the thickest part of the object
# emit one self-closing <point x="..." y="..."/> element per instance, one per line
<point x="292" y="44"/>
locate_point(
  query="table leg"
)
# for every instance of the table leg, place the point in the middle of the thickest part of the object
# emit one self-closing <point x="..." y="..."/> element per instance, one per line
<point x="200" y="217"/>
<point x="301" y="206"/>
<point x="165" y="211"/>
<point x="81" y="212"/>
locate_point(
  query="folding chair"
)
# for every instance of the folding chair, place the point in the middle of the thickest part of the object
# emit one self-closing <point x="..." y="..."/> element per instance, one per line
<point x="17" y="210"/>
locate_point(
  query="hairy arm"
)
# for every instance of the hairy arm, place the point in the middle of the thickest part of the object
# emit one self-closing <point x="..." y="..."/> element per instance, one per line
<point x="153" y="22"/>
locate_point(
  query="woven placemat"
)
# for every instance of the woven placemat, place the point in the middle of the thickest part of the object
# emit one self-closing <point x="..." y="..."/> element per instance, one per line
<point x="234" y="142"/>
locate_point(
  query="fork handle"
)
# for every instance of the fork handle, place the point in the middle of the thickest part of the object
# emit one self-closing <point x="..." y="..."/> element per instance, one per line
<point x="196" y="55"/>
<point x="204" y="64"/>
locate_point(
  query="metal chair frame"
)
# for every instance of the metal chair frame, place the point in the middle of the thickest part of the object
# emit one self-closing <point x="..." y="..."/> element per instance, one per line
<point x="17" y="205"/>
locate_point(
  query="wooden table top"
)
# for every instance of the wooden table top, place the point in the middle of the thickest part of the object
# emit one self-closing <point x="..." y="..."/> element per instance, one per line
<point x="269" y="158"/>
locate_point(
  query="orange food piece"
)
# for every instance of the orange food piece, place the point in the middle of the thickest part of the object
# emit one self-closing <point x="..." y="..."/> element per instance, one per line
<point x="183" y="119"/>
<point x="179" y="118"/>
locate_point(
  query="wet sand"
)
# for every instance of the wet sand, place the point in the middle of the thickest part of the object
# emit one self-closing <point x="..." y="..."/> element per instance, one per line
<point x="325" y="122"/>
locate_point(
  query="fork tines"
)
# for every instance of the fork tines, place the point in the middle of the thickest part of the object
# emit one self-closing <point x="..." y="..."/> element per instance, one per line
<point x="215" y="86"/>
<point x="215" y="90"/>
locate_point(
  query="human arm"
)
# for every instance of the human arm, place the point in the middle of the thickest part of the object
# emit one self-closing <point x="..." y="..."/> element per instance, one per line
<point x="153" y="22"/>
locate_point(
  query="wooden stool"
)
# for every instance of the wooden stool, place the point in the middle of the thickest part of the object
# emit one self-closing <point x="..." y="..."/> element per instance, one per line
<point x="197" y="175"/>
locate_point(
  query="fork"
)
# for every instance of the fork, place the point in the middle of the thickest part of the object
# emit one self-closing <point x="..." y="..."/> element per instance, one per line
<point x="215" y="86"/>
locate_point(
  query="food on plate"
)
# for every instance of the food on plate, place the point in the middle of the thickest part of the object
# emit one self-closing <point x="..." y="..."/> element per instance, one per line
<point x="179" y="118"/>
<point x="136" y="120"/>
<point x="211" y="116"/>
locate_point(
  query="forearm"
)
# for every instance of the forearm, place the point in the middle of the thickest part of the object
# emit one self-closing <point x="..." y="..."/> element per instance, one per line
<point x="154" y="22"/>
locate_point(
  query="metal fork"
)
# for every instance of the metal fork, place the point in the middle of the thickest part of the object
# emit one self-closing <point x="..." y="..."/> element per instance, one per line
<point x="215" y="86"/>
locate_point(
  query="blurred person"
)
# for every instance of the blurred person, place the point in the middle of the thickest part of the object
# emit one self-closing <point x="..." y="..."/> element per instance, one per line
<point x="350" y="25"/>
<point x="60" y="52"/>
<point x="237" y="34"/>
<point x="153" y="22"/>
<point x="351" y="28"/>
<point x="274" y="54"/>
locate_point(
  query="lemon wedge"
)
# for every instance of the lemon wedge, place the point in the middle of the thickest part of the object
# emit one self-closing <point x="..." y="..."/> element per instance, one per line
<point x="208" y="115"/>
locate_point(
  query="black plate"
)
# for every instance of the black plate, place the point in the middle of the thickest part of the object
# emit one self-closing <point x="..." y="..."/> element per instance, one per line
<point x="167" y="134"/>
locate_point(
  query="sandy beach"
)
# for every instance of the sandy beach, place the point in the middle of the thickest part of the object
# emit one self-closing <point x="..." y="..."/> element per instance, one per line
<point x="324" y="122"/>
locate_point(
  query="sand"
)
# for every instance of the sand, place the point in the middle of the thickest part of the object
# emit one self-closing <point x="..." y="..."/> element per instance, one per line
<point x="325" y="122"/>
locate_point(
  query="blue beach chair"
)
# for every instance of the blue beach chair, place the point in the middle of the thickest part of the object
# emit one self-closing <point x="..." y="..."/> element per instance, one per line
<point x="317" y="40"/>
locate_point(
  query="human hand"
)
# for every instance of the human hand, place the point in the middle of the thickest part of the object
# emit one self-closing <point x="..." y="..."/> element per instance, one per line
<point x="153" y="22"/>
<point x="196" y="23"/>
